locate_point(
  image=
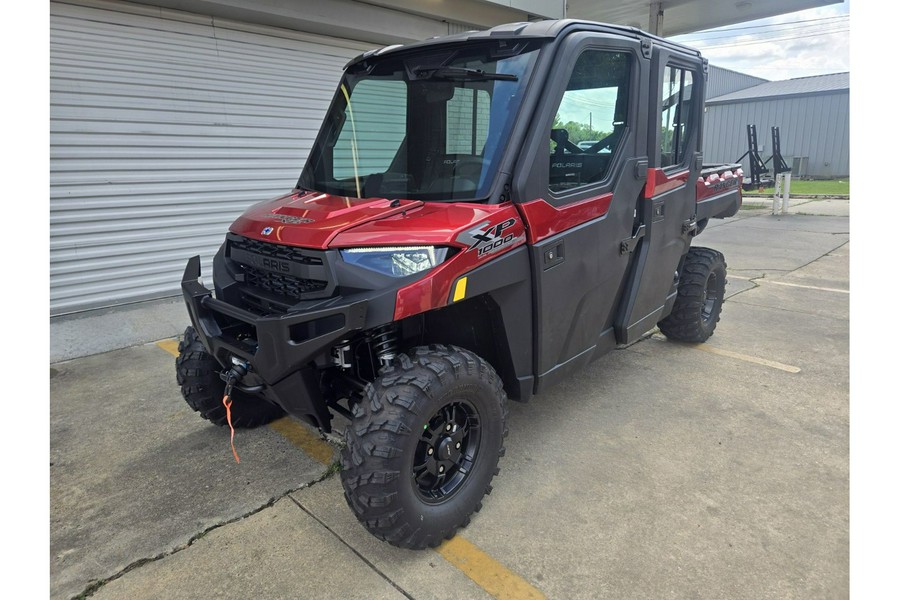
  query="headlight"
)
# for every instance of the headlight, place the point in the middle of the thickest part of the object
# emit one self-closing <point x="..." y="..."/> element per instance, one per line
<point x="397" y="261"/>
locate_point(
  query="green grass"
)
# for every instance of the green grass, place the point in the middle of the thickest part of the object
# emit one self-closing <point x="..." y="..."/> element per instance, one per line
<point x="825" y="186"/>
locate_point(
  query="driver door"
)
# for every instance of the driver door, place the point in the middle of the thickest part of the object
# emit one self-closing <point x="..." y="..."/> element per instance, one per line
<point x="580" y="202"/>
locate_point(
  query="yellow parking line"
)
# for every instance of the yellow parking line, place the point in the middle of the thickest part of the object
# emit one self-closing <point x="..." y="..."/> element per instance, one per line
<point x="295" y="432"/>
<point x="751" y="359"/>
<point x="490" y="575"/>
<point x="170" y="346"/>
<point x="485" y="571"/>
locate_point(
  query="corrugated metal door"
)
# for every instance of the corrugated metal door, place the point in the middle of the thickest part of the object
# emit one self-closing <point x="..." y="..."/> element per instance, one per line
<point x="164" y="126"/>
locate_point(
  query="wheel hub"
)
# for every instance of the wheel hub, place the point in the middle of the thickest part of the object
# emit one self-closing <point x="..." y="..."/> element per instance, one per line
<point x="709" y="298"/>
<point x="446" y="451"/>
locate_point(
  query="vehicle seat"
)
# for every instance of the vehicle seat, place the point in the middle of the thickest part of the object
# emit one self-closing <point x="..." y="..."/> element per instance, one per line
<point x="561" y="137"/>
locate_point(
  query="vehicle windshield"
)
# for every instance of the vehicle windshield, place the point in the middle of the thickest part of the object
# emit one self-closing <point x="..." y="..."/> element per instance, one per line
<point x="429" y="126"/>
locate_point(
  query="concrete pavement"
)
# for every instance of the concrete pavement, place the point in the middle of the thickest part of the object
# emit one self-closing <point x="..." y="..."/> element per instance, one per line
<point x="135" y="473"/>
<point x="663" y="470"/>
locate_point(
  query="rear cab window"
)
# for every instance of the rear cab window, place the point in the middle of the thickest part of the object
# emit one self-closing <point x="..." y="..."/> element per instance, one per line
<point x="676" y="114"/>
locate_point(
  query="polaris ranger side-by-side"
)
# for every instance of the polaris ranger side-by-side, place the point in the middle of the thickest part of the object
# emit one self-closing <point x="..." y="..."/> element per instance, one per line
<point x="480" y="215"/>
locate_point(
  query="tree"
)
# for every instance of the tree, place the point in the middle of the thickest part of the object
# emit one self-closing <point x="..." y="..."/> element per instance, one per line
<point x="578" y="132"/>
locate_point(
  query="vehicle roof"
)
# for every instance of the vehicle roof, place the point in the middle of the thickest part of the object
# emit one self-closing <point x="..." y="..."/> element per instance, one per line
<point x="547" y="29"/>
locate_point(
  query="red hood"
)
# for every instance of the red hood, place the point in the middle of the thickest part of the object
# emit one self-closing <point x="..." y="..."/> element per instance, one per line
<point x="311" y="219"/>
<point x="314" y="220"/>
<point x="435" y="223"/>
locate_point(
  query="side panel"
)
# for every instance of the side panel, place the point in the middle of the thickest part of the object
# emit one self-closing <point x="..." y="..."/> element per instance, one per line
<point x="502" y="287"/>
<point x="719" y="194"/>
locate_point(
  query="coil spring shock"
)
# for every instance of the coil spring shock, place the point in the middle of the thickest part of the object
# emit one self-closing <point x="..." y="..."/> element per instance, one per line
<point x="384" y="343"/>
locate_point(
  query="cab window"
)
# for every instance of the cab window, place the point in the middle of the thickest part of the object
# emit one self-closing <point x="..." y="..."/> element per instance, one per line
<point x="676" y="115"/>
<point x="590" y="120"/>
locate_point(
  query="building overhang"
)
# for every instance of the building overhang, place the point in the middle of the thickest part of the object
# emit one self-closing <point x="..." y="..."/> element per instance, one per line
<point x="402" y="21"/>
<point x="685" y="16"/>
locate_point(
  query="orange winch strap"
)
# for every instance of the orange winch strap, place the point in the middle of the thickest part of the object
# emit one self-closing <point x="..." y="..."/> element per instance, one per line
<point x="227" y="402"/>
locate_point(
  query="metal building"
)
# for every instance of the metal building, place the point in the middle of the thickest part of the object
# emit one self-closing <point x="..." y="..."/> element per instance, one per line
<point x="169" y="117"/>
<point x="721" y="81"/>
<point x="812" y="113"/>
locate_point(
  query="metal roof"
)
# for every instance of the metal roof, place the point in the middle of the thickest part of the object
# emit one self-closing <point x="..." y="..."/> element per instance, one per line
<point x="801" y="86"/>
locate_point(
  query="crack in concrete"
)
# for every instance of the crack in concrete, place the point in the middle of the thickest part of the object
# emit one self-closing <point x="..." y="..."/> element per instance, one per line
<point x="738" y="293"/>
<point x="92" y="588"/>
<point x="755" y="280"/>
<point x="352" y="549"/>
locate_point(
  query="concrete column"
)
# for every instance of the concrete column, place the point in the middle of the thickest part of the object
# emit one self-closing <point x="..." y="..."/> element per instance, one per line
<point x="656" y="18"/>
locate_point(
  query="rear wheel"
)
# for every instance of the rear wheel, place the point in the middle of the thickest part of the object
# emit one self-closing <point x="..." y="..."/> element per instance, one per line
<point x="197" y="372"/>
<point x="424" y="445"/>
<point x="701" y="291"/>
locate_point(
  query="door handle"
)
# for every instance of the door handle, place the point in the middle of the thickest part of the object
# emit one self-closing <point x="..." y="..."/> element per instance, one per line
<point x="554" y="255"/>
<point x="628" y="246"/>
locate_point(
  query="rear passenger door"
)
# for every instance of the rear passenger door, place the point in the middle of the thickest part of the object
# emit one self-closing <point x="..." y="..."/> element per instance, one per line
<point x="668" y="206"/>
<point x="581" y="176"/>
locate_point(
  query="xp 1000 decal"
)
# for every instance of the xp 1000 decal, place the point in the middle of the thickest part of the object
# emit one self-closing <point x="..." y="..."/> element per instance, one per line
<point x="486" y="238"/>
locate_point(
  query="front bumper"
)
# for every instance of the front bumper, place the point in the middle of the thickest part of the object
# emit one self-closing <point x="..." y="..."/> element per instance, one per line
<point x="280" y="349"/>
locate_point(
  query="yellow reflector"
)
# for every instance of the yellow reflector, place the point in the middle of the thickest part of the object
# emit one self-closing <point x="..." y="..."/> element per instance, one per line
<point x="460" y="292"/>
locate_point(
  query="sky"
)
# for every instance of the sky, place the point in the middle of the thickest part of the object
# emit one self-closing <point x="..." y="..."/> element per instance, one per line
<point x="799" y="44"/>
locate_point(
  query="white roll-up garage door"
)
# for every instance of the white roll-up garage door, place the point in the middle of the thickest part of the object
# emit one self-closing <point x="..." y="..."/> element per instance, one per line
<point x="164" y="126"/>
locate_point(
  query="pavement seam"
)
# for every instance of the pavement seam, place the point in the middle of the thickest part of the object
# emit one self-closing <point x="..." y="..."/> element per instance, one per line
<point x="790" y="310"/>
<point x="92" y="588"/>
<point x="353" y="550"/>
<point x="803" y="266"/>
<point x="755" y="280"/>
<point x="793" y="230"/>
<point x="805" y="287"/>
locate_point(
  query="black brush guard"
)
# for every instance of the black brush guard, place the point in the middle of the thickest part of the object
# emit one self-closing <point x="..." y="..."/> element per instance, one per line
<point x="280" y="349"/>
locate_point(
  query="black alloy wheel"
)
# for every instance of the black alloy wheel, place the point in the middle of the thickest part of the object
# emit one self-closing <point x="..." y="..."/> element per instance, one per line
<point x="447" y="451"/>
<point x="710" y="299"/>
<point x="424" y="445"/>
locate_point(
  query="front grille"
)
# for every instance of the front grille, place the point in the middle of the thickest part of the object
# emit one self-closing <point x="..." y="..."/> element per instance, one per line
<point x="273" y="250"/>
<point x="275" y="276"/>
<point x="279" y="283"/>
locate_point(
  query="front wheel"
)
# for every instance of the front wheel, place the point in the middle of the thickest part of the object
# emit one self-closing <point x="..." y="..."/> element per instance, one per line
<point x="423" y="446"/>
<point x="701" y="291"/>
<point x="197" y="372"/>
